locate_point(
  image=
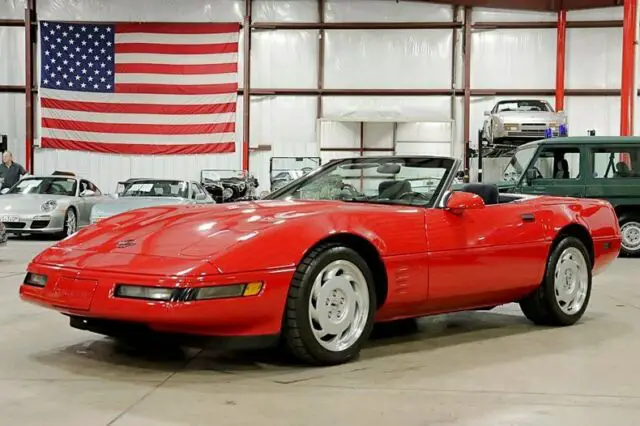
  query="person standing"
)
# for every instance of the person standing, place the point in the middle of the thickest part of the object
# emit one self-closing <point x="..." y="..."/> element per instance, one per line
<point x="10" y="171"/>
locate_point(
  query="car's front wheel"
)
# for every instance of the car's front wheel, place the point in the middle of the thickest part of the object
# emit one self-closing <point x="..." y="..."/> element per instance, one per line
<point x="564" y="294"/>
<point x="630" y="230"/>
<point x="330" y="307"/>
<point x="70" y="223"/>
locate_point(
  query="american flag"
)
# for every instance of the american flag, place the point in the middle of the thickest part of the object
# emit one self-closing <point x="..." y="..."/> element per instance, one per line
<point x="139" y="88"/>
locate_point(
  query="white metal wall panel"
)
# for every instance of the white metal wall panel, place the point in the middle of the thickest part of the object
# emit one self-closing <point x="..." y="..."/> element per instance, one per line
<point x="287" y="123"/>
<point x="598" y="112"/>
<point x="424" y="138"/>
<point x="513" y="59"/>
<point x="284" y="11"/>
<point x="339" y="134"/>
<point x="12" y="123"/>
<point x="436" y="108"/>
<point x="12" y="63"/>
<point x="604" y="13"/>
<point x="378" y="135"/>
<point x="482" y="14"/>
<point x="386" y="11"/>
<point x="259" y="167"/>
<point x="390" y="59"/>
<point x="142" y="10"/>
<point x="12" y="9"/>
<point x="594" y="58"/>
<point x="284" y="59"/>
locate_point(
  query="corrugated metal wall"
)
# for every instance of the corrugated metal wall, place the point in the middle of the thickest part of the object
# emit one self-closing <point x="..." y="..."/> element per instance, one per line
<point x="506" y="59"/>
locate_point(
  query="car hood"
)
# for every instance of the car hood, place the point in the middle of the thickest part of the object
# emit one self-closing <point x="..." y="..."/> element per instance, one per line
<point x="26" y="203"/>
<point x="123" y="204"/>
<point x="530" y="116"/>
<point x="183" y="232"/>
<point x="192" y="234"/>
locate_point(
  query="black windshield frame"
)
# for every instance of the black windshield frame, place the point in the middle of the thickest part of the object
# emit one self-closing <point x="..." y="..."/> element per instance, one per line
<point x="450" y="165"/>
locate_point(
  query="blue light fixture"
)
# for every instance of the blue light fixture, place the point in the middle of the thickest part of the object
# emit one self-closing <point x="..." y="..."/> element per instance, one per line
<point x="548" y="133"/>
<point x="564" y="131"/>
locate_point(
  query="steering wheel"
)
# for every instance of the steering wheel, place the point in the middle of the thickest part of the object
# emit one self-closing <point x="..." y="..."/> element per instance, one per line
<point x="414" y="195"/>
<point x="353" y="192"/>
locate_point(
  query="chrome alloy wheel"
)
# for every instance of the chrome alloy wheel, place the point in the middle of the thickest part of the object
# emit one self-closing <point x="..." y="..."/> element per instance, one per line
<point x="571" y="281"/>
<point x="339" y="305"/>
<point x="70" y="222"/>
<point x="631" y="236"/>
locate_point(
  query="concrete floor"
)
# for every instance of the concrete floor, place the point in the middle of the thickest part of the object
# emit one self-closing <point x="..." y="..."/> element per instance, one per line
<point x="480" y="368"/>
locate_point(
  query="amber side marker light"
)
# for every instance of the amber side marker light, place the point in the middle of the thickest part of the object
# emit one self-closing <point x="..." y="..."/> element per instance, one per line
<point x="226" y="291"/>
<point x="35" y="280"/>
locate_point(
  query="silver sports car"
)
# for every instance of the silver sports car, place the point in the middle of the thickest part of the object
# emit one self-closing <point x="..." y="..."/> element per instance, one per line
<point x="55" y="204"/>
<point x="522" y="119"/>
<point x="138" y="193"/>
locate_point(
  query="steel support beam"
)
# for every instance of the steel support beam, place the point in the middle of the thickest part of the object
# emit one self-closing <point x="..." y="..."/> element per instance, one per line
<point x="29" y="40"/>
<point x="321" y="49"/>
<point x="246" y="96"/>
<point x="561" y="47"/>
<point x="627" y="97"/>
<point x="466" y="48"/>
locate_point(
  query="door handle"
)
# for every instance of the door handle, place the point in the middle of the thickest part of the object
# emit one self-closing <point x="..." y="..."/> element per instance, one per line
<point x="528" y="217"/>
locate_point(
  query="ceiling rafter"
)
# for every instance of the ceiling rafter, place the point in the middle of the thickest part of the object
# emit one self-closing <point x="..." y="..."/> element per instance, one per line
<point x="541" y="5"/>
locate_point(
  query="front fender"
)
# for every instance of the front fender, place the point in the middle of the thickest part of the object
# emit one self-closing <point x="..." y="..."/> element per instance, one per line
<point x="283" y="245"/>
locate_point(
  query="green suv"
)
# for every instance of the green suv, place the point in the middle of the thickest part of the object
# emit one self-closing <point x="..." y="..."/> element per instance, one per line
<point x="604" y="167"/>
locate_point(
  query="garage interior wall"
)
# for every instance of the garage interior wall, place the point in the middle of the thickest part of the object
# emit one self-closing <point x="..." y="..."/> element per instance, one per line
<point x="285" y="124"/>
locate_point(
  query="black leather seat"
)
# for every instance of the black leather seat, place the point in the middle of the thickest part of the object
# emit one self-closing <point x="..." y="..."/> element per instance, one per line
<point x="392" y="189"/>
<point x="488" y="192"/>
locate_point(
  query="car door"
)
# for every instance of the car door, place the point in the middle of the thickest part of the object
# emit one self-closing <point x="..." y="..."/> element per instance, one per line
<point x="485" y="254"/>
<point x="556" y="170"/>
<point x="86" y="201"/>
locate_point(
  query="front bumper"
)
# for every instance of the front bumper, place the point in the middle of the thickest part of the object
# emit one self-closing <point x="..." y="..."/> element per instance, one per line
<point x="527" y="130"/>
<point x="33" y="223"/>
<point x="88" y="298"/>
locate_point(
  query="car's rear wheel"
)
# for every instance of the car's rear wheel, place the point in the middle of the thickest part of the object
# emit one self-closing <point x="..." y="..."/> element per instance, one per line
<point x="564" y="294"/>
<point x="630" y="230"/>
<point x="330" y="307"/>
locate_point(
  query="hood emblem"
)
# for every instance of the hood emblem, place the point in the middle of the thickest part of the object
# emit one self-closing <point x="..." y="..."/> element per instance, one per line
<point x="125" y="243"/>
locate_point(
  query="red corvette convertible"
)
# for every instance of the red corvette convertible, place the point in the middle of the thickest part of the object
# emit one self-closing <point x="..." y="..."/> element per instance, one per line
<point x="315" y="264"/>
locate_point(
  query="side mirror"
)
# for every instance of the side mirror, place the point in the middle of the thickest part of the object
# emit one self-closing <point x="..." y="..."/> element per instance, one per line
<point x="459" y="201"/>
<point x="87" y="193"/>
<point x="487" y="113"/>
<point x="4" y="190"/>
<point x="531" y="176"/>
<point x="201" y="197"/>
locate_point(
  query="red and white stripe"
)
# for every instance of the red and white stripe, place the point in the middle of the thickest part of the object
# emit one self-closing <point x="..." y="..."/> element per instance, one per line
<point x="175" y="93"/>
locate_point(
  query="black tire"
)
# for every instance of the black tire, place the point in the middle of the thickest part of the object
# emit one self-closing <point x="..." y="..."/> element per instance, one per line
<point x="627" y="221"/>
<point x="65" y="229"/>
<point x="298" y="334"/>
<point x="542" y="306"/>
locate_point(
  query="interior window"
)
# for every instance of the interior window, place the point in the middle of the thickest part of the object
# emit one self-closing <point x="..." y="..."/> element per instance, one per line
<point x="557" y="163"/>
<point x="616" y="162"/>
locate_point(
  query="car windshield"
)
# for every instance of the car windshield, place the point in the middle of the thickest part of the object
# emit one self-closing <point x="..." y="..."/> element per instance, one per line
<point x="519" y="106"/>
<point x="380" y="180"/>
<point x="45" y="185"/>
<point x="518" y="163"/>
<point x="156" y="188"/>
